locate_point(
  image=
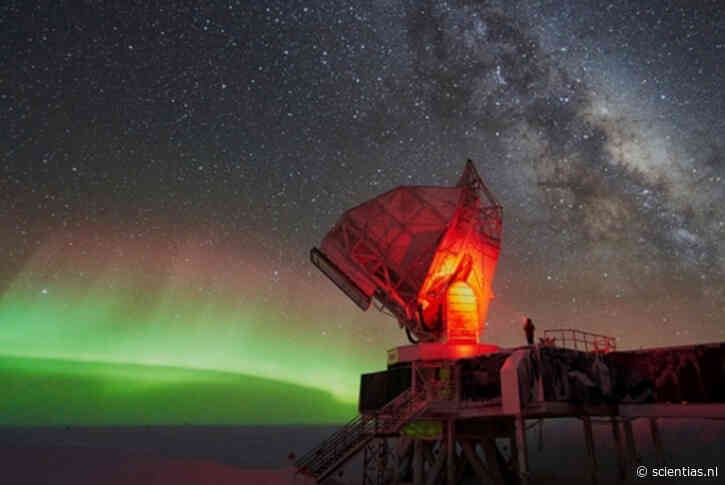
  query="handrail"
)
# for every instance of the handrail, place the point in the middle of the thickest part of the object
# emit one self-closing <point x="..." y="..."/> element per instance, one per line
<point x="312" y="453"/>
<point x="347" y="441"/>
<point x="574" y="338"/>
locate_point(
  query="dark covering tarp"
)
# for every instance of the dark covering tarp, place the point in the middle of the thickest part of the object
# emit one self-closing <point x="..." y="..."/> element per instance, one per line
<point x="379" y="388"/>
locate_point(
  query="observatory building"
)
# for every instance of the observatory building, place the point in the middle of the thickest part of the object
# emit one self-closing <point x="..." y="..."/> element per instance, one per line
<point x="427" y="255"/>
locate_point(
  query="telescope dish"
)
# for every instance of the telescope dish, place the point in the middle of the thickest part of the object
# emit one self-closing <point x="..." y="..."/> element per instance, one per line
<point x="426" y="254"/>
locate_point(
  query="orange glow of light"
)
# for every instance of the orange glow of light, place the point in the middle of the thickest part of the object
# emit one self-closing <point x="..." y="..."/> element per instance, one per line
<point x="462" y="351"/>
<point x="448" y="265"/>
<point x="457" y="291"/>
<point x="461" y="313"/>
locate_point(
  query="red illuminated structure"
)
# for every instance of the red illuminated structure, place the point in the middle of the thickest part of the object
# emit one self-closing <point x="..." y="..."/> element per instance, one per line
<point x="426" y="254"/>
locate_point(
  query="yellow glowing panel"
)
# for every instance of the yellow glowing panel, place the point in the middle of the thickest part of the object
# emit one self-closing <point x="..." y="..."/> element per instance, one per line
<point x="461" y="313"/>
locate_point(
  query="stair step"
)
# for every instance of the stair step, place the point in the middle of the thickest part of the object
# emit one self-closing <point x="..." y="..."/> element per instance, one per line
<point x="346" y="442"/>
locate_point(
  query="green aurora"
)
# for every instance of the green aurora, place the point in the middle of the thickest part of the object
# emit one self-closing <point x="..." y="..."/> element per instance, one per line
<point x="48" y="392"/>
<point x="98" y="321"/>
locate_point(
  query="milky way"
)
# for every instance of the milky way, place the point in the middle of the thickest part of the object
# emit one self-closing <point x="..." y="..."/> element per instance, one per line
<point x="165" y="168"/>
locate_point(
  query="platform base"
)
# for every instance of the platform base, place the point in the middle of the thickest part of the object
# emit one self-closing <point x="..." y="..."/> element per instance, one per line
<point x="438" y="351"/>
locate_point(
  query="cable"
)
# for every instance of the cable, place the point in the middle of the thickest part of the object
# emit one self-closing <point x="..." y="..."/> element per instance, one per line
<point x="410" y="337"/>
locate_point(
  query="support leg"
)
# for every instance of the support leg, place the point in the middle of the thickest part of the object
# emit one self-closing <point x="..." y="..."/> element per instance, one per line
<point x="451" y="453"/>
<point x="461" y="467"/>
<point x="492" y="458"/>
<point x="632" y="457"/>
<point x="367" y="458"/>
<point x="657" y="440"/>
<point x="522" y="454"/>
<point x="418" y="462"/>
<point x="513" y="463"/>
<point x="402" y="459"/>
<point x="482" y="473"/>
<point x="591" y="452"/>
<point x="621" y="462"/>
<point x="507" y="471"/>
<point x="429" y="457"/>
<point x="435" y="468"/>
<point x="381" y="462"/>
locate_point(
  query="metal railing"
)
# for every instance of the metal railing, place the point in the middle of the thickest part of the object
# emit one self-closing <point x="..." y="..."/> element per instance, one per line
<point x="342" y="445"/>
<point x="580" y="340"/>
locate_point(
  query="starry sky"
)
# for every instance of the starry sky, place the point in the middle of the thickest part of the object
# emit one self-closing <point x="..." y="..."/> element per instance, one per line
<point x="166" y="166"/>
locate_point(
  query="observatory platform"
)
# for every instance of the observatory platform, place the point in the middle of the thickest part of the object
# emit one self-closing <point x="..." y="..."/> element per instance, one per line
<point x="427" y="256"/>
<point x="434" y="421"/>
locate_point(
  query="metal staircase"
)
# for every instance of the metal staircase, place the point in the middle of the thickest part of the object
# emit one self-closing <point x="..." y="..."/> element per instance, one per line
<point x="335" y="451"/>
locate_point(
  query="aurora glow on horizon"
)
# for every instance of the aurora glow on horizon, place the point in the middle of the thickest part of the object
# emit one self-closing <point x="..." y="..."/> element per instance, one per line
<point x="165" y="169"/>
<point x="185" y="308"/>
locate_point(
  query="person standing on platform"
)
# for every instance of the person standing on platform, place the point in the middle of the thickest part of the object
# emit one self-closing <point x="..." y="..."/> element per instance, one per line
<point x="529" y="330"/>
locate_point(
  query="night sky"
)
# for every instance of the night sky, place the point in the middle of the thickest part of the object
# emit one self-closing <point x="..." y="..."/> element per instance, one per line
<point x="165" y="168"/>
